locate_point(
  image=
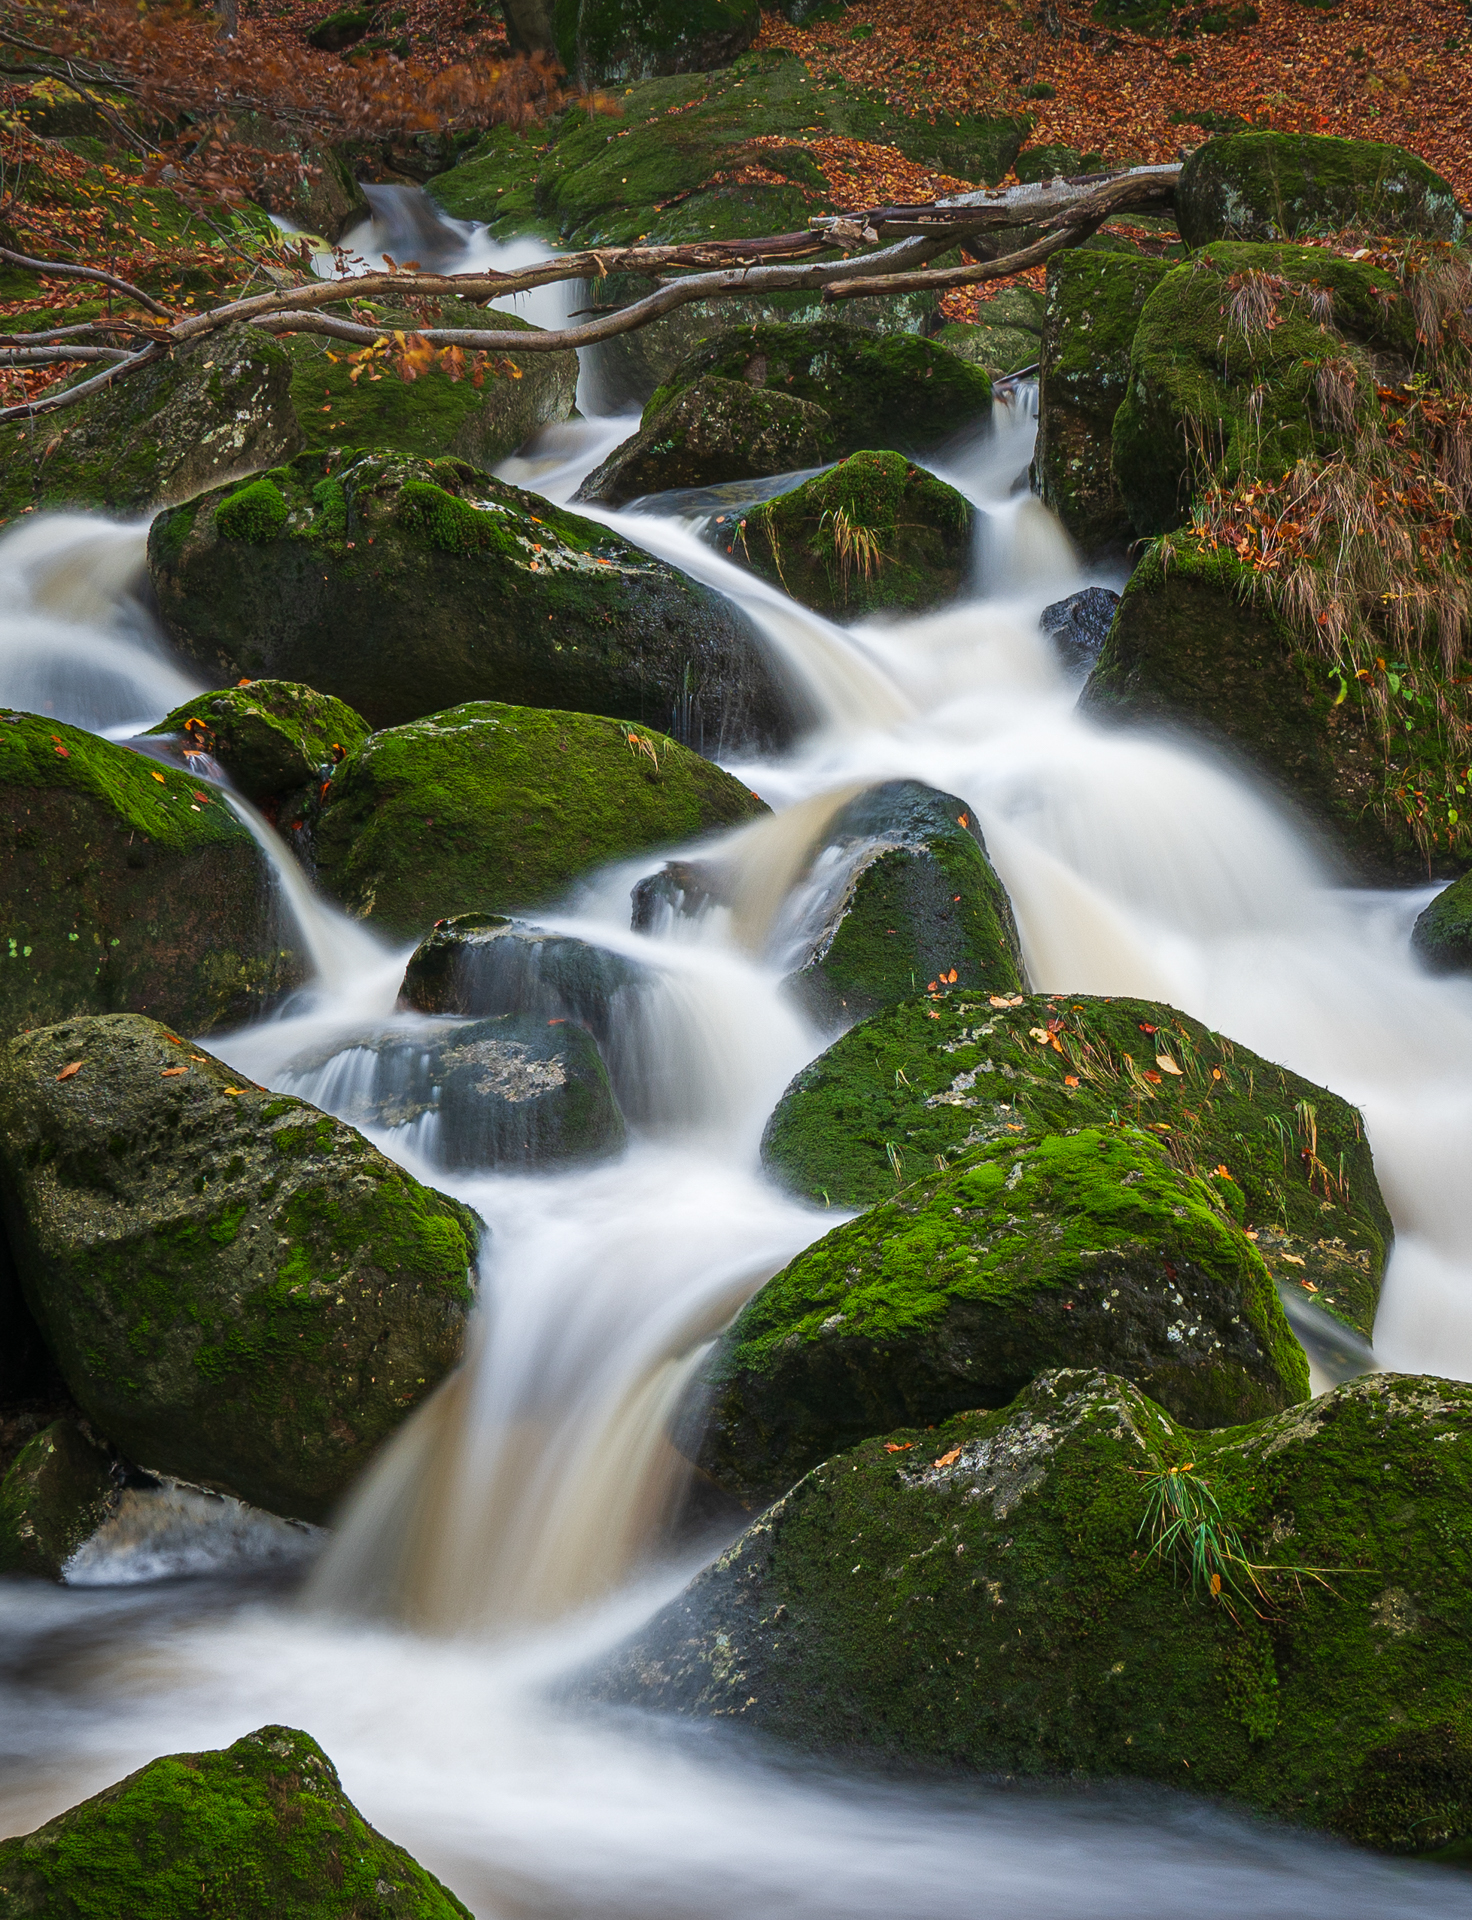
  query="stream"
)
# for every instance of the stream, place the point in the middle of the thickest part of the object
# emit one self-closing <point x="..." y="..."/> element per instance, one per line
<point x="521" y="1519"/>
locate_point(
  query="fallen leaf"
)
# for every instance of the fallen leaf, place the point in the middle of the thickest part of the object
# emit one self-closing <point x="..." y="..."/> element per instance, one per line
<point x="963" y="819"/>
<point x="1040" y="1034"/>
<point x="235" y="1089"/>
<point x="159" y="777"/>
<point x="1148" y="1029"/>
<point x="1294" y="1259"/>
<point x="1223" y="1173"/>
<point x="951" y="977"/>
<point x="172" y="1073"/>
<point x="1152" y="1076"/>
<point x="948" y="1459"/>
<point x="1070" y="1079"/>
<point x="898" y="1446"/>
<point x="1216" y="1585"/>
<point x="67" y="1071"/>
<point x="1166" y="1064"/>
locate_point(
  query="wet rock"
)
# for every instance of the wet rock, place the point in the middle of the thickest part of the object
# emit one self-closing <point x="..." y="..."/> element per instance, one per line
<point x="713" y="431"/>
<point x="933" y="1078"/>
<point x="407" y="586"/>
<point x="238" y="1289"/>
<point x="271" y="737"/>
<point x="516" y="1091"/>
<point x="1040" y="1250"/>
<point x="875" y="534"/>
<point x="497" y="809"/>
<point x="480" y="964"/>
<point x="307" y="184"/>
<point x="59" y="1490"/>
<point x="1094" y="301"/>
<point x="1442" y="935"/>
<point x="995" y="1595"/>
<point x="616" y="42"/>
<point x="1287" y="186"/>
<point x="127" y="884"/>
<point x="263" y="1824"/>
<point x="1079" y="626"/>
<point x="1006" y="336"/>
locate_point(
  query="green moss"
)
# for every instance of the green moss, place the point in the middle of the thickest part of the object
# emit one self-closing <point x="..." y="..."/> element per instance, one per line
<point x="256" y="514"/>
<point x="270" y="735"/>
<point x="936" y="1077"/>
<point x="1283" y="186"/>
<point x="1038" y="1250"/>
<point x="450" y="524"/>
<point x="257" y="1829"/>
<point x="616" y="41"/>
<point x="714" y="431"/>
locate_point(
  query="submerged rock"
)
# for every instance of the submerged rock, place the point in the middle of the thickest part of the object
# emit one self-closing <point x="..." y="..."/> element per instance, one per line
<point x="238" y="1289"/>
<point x="59" y="1490"/>
<point x="1039" y="1250"/>
<point x="1287" y="186"/>
<point x="480" y="964"/>
<point x="996" y="1594"/>
<point x="407" y="586"/>
<point x="1442" y="935"/>
<point x="264" y="1825"/>
<point x="713" y="431"/>
<point x="1079" y="626"/>
<point x="127" y="885"/>
<point x="494" y="809"/>
<point x="934" y="1078"/>
<point x="874" y="534"/>
<point x="272" y="737"/>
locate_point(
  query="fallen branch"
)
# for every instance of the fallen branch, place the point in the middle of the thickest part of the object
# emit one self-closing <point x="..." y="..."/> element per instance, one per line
<point x="66" y="270"/>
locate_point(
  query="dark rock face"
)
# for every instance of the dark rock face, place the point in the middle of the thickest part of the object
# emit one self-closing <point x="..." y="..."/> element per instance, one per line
<point x="1094" y="302"/>
<point x="406" y="586"/>
<point x="315" y="189"/>
<point x="621" y="41"/>
<point x="932" y="1079"/>
<point x="59" y="1490"/>
<point x="491" y="809"/>
<point x="239" y="1290"/>
<point x="1284" y="186"/>
<point x="986" y="1595"/>
<point x="128" y="885"/>
<point x="1079" y="626"/>
<point x="715" y="430"/>
<point x="264" y="1825"/>
<point x="1039" y="1250"/>
<point x="486" y="964"/>
<point x="1442" y="934"/>
<point x="270" y="736"/>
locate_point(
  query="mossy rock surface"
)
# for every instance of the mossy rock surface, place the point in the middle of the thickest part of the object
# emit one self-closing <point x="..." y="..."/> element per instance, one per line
<point x="899" y="393"/>
<point x="127" y="885"/>
<point x="165" y="433"/>
<point x="1287" y="186"/>
<point x="984" y="1596"/>
<point x="238" y="1289"/>
<point x="936" y="1077"/>
<point x="1040" y="1250"/>
<point x="1200" y="354"/>
<point x="1094" y="302"/>
<point x="263" y="1826"/>
<point x="875" y="534"/>
<point x="1006" y="336"/>
<point x="712" y="431"/>
<point x="626" y="40"/>
<point x="1442" y="935"/>
<point x="59" y="1490"/>
<point x="407" y="586"/>
<point x="1191" y="646"/>
<point x="270" y="736"/>
<point x="496" y="809"/>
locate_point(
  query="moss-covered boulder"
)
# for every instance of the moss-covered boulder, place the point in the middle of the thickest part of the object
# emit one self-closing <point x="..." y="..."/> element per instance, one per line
<point x="934" y="1078"/>
<point x="263" y="1827"/>
<point x="404" y="587"/>
<point x="1442" y="935"/>
<point x="996" y="1594"/>
<point x="1288" y="186"/>
<point x="1006" y="336"/>
<point x="1094" y="302"/>
<point x="712" y="431"/>
<point x="511" y="1092"/>
<point x="496" y="809"/>
<point x="620" y="41"/>
<point x="272" y="737"/>
<point x="59" y="1490"/>
<point x="481" y="964"/>
<point x="1247" y="359"/>
<point x="239" y="1290"/>
<point x="186" y="423"/>
<point x="126" y="884"/>
<point x="1195" y="644"/>
<point x="875" y="534"/>
<point x="1040" y="1250"/>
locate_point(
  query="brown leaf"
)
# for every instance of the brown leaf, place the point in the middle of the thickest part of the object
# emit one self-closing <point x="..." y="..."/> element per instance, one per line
<point x="67" y="1071"/>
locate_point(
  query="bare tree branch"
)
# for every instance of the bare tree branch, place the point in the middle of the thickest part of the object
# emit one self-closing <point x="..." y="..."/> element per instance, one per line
<point x="66" y="270"/>
<point x="57" y="397"/>
<point x="55" y="356"/>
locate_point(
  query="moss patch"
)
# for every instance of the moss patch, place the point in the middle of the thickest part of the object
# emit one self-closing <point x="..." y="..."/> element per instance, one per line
<point x="1443" y="933"/>
<point x="712" y="431"/>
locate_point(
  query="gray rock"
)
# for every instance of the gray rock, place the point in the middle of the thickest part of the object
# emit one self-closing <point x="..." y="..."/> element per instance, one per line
<point x="1079" y="626"/>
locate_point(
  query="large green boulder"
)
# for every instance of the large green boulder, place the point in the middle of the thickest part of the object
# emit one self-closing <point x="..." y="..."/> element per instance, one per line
<point x="932" y="1078"/>
<point x="272" y="737"/>
<point x="1002" y="1594"/>
<point x="256" y="1830"/>
<point x="1195" y="643"/>
<point x="875" y="534"/>
<point x="127" y="885"/>
<point x="407" y="586"/>
<point x="1040" y="1250"/>
<point x="238" y="1289"/>
<point x="1093" y="308"/>
<point x="625" y="40"/>
<point x="1442" y="935"/>
<point x="496" y="809"/>
<point x="59" y="1490"/>
<point x="1246" y="360"/>
<point x="712" y="431"/>
<point x="1289" y="186"/>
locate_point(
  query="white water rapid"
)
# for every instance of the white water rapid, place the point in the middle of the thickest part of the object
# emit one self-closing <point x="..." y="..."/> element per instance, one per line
<point x="520" y="1521"/>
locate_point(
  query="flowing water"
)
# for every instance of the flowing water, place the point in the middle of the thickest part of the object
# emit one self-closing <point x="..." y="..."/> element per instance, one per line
<point x="522" y="1519"/>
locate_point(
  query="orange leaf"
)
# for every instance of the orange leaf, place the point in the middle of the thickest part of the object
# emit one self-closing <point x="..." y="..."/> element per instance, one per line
<point x="949" y="1459"/>
<point x="159" y="777"/>
<point x="172" y="1073"/>
<point x="67" y="1071"/>
<point x="963" y="819"/>
<point x="1070" y="1079"/>
<point x="898" y="1446"/>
